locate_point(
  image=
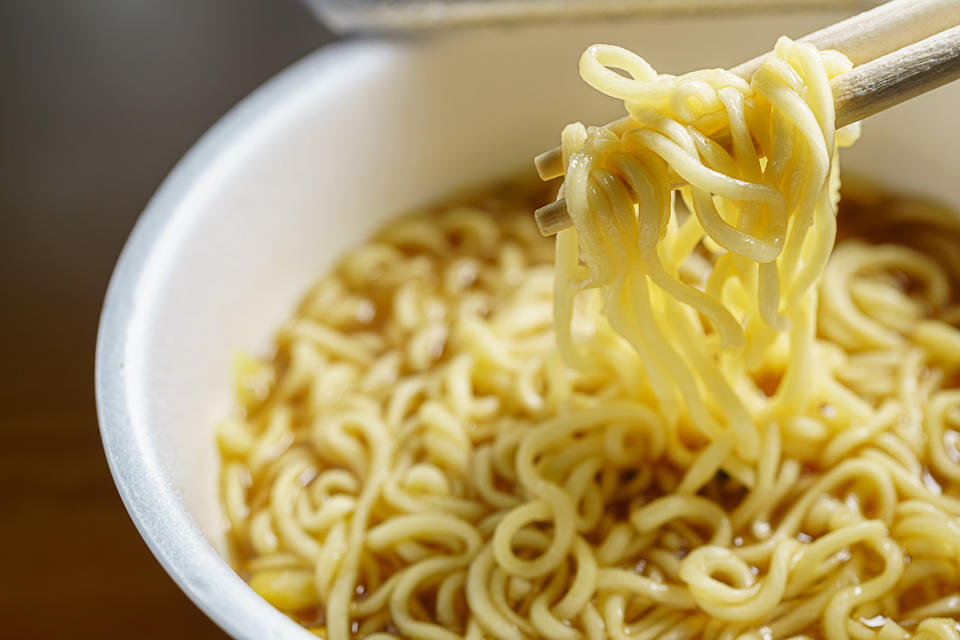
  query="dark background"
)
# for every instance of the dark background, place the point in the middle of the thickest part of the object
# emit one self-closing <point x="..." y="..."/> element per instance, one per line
<point x="98" y="100"/>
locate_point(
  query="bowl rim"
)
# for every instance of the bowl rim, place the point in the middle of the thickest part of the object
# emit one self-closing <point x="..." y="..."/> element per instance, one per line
<point x="147" y="492"/>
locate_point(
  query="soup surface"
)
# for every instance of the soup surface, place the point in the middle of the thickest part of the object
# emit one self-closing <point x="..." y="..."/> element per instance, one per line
<point x="415" y="459"/>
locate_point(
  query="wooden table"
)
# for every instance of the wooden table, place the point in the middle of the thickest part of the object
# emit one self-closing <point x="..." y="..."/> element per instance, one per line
<point x="98" y="100"/>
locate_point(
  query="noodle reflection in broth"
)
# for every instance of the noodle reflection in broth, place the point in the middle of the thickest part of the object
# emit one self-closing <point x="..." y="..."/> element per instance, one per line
<point x="693" y="418"/>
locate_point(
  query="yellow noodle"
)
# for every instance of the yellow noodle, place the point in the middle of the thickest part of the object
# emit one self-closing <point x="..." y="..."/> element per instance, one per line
<point x="689" y="417"/>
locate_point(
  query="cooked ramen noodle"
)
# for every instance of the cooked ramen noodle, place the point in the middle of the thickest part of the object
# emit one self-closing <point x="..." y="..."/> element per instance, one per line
<point x="691" y="417"/>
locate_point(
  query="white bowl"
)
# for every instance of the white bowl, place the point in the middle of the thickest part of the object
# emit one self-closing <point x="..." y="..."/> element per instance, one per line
<point x="310" y="164"/>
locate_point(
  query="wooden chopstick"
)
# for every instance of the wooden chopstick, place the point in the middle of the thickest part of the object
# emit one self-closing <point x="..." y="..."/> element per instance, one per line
<point x="877" y="32"/>
<point x="861" y="38"/>
<point x="896" y="77"/>
<point x="863" y="91"/>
